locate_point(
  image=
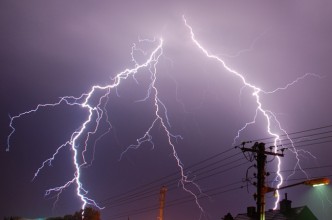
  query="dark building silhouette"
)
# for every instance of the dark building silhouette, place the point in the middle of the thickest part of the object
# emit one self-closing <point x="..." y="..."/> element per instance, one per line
<point x="286" y="212"/>
<point x="228" y="217"/>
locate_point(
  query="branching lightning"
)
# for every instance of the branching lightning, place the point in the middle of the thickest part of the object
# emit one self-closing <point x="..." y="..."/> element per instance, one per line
<point x="268" y="115"/>
<point x="88" y="127"/>
<point x="79" y="139"/>
<point x="148" y="138"/>
<point x="96" y="113"/>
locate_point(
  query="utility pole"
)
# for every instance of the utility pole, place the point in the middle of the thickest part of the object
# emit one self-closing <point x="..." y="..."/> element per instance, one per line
<point x="162" y="196"/>
<point x="260" y="155"/>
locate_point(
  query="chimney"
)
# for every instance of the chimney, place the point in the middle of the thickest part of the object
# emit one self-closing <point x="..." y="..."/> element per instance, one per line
<point x="285" y="205"/>
<point x="228" y="217"/>
<point x="251" y="211"/>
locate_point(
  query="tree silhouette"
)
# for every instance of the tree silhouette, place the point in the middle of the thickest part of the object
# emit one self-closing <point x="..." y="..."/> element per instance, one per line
<point x="88" y="214"/>
<point x="91" y="214"/>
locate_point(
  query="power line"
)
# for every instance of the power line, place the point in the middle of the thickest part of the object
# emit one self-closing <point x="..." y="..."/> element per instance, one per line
<point x="306" y="145"/>
<point x="157" y="181"/>
<point x="133" y="195"/>
<point x="123" y="199"/>
<point x="144" y="194"/>
<point x="292" y="133"/>
<point x="171" y="203"/>
<point x="307" y="168"/>
<point x="306" y="136"/>
<point x="189" y="199"/>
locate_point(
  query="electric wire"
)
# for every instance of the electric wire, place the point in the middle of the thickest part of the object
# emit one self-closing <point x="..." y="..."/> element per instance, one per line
<point x="203" y="177"/>
<point x="188" y="199"/>
<point x="153" y="194"/>
<point x="157" y="181"/>
<point x="215" y="156"/>
<point x="171" y="203"/>
<point x="172" y="185"/>
<point x="292" y="133"/>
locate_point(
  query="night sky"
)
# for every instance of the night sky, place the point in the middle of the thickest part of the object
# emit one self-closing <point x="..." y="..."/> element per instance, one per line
<point x="51" y="49"/>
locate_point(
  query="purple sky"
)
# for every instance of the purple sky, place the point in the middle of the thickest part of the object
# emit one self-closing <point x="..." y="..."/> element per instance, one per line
<point x="50" y="49"/>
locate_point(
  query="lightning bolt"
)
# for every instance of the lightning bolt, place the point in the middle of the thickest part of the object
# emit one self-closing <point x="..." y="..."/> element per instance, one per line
<point x="268" y="115"/>
<point x="97" y="112"/>
<point x="164" y="122"/>
<point x="88" y="127"/>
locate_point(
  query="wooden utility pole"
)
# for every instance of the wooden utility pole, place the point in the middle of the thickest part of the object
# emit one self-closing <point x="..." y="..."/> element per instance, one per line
<point x="163" y="191"/>
<point x="259" y="150"/>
